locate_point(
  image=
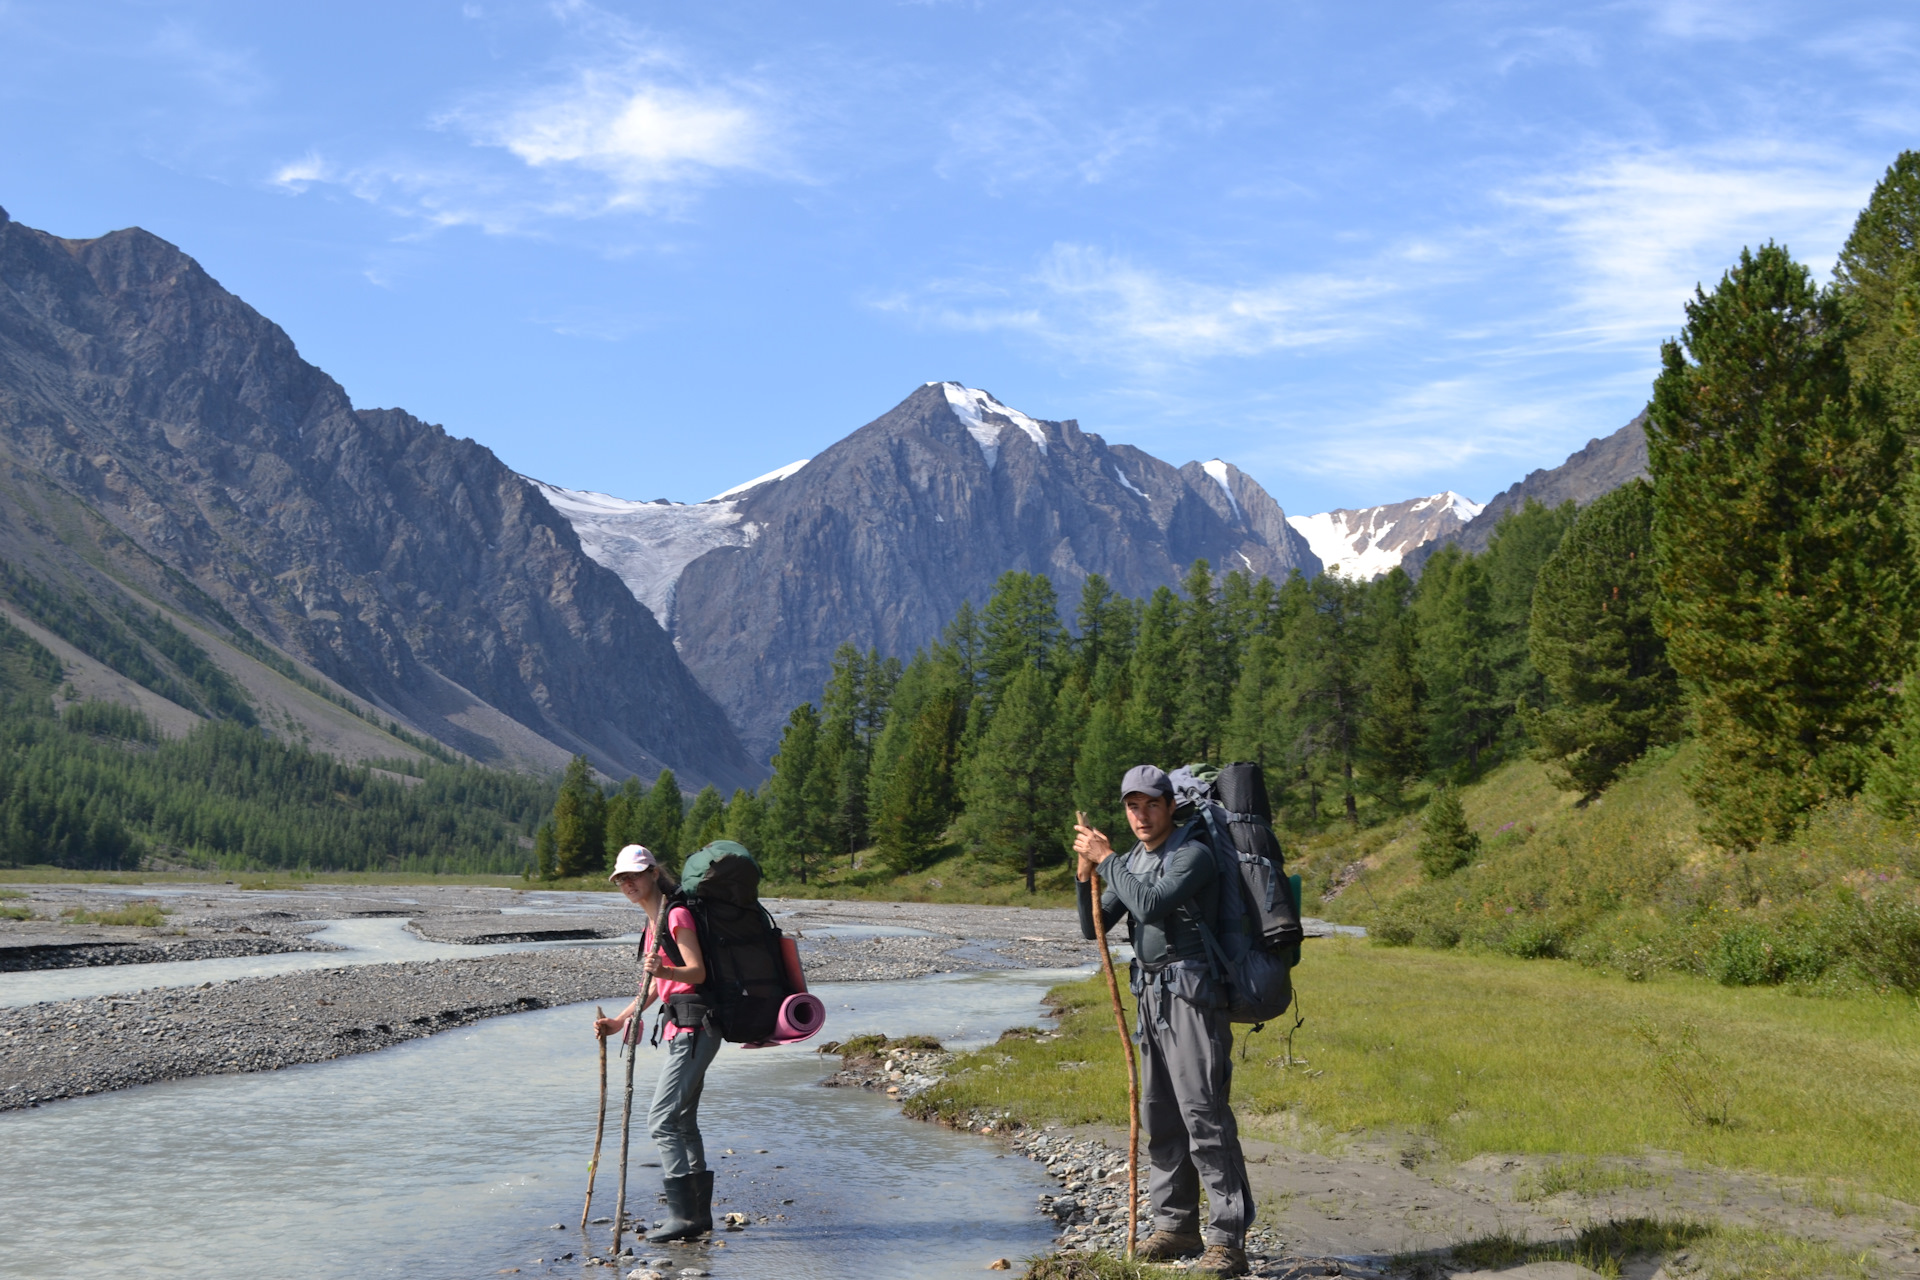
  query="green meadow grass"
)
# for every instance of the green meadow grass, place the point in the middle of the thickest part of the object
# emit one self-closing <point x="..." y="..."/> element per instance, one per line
<point x="1482" y="1053"/>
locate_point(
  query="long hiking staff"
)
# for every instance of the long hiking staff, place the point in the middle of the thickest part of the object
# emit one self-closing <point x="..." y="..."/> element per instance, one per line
<point x="599" y="1126"/>
<point x="630" y="1046"/>
<point x="1133" y="1067"/>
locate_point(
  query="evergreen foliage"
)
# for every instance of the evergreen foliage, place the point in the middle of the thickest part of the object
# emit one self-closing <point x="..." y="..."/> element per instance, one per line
<point x="1783" y="567"/>
<point x="1593" y="640"/>
<point x="1447" y="843"/>
<point x="1017" y="786"/>
<point x="579" y="822"/>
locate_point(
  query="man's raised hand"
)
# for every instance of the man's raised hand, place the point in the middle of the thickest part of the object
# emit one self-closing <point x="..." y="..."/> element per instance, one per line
<point x="1092" y="846"/>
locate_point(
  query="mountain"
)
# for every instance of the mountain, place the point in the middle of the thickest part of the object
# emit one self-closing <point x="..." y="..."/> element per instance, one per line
<point x="1603" y="465"/>
<point x="879" y="539"/>
<point x="172" y="467"/>
<point x="1367" y="542"/>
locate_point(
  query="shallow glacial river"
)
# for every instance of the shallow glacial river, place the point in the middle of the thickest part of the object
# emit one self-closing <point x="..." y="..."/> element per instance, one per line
<point x="452" y="1156"/>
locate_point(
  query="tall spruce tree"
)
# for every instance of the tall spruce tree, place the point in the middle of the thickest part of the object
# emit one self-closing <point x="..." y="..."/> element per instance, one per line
<point x="624" y="808"/>
<point x="799" y="829"/>
<point x="579" y="822"/>
<point x="1153" y="679"/>
<point x="1878" y="283"/>
<point x="1207" y="659"/>
<point x="916" y="799"/>
<point x="1106" y="752"/>
<point x="1319" y="688"/>
<point x="746" y="821"/>
<point x="1454" y="649"/>
<point x="705" y="821"/>
<point x="1593" y="640"/>
<point x="1022" y="628"/>
<point x="1393" y="740"/>
<point x="1782" y="563"/>
<point x="1017" y="785"/>
<point x="660" y="818"/>
<point x="1522" y="542"/>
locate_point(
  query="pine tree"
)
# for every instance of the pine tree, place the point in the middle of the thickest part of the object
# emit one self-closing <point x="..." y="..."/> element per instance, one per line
<point x="1393" y="743"/>
<point x="916" y="801"/>
<point x="623" y="817"/>
<point x="1522" y="542"/>
<point x="1106" y="753"/>
<point x="1206" y="661"/>
<point x="1153" y="677"/>
<point x="847" y="730"/>
<point x="798" y="832"/>
<point x="579" y="822"/>
<point x="1252" y="729"/>
<point x="705" y="821"/>
<point x="1447" y="843"/>
<point x="1783" y="568"/>
<point x="1453" y="613"/>
<point x="1593" y="640"/>
<point x="1017" y="786"/>
<point x="1878" y="283"/>
<point x="659" y="819"/>
<point x="1021" y="628"/>
<point x="546" y="857"/>
<point x="746" y="821"/>
<point x="1318" y="689"/>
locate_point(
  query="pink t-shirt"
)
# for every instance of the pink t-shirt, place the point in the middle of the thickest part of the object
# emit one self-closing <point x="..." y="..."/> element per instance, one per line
<point x="679" y="920"/>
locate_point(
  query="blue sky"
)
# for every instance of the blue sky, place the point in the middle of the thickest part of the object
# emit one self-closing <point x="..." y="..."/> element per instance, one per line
<point x="1366" y="251"/>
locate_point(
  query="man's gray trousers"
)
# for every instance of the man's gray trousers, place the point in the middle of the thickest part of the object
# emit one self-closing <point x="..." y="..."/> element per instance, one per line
<point x="1186" y="1069"/>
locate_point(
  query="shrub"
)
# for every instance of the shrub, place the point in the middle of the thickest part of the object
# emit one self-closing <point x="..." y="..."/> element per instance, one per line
<point x="1447" y="843"/>
<point x="1882" y="935"/>
<point x="1752" y="955"/>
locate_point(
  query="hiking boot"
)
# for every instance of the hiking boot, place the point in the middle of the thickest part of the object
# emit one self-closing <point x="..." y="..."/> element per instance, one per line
<point x="1165" y="1246"/>
<point x="703" y="1203"/>
<point x="1220" y="1260"/>
<point x="681" y="1222"/>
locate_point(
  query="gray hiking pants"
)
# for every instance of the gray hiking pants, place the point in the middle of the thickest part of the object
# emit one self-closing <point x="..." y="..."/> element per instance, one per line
<point x="1186" y="1069"/>
<point x="675" y="1117"/>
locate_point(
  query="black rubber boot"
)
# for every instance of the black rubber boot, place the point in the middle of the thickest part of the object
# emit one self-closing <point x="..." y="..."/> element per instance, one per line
<point x="682" y="1223"/>
<point x="703" y="1204"/>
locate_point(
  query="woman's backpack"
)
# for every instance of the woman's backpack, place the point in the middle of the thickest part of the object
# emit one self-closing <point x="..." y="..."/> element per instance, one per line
<point x="1256" y="941"/>
<point x="747" y="975"/>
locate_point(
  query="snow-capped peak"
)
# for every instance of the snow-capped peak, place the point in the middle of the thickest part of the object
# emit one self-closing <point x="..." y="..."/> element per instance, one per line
<point x="1218" y="470"/>
<point x="780" y="473"/>
<point x="976" y="408"/>
<point x="1463" y="507"/>
<point x="1368" y="542"/>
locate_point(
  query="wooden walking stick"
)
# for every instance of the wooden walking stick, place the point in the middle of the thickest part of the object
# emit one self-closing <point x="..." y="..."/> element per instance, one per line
<point x="1133" y="1067"/>
<point x="630" y="1043"/>
<point x="600" y="1125"/>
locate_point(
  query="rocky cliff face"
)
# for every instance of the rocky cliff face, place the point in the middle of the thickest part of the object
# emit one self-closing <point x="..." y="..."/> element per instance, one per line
<point x="1366" y="542"/>
<point x="408" y="566"/>
<point x="1602" y="466"/>
<point x="879" y="539"/>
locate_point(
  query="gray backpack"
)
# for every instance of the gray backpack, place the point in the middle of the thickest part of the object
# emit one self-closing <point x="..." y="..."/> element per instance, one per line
<point x="1256" y="942"/>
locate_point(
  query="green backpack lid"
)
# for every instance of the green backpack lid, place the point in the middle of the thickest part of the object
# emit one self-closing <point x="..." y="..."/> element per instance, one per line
<point x="727" y="871"/>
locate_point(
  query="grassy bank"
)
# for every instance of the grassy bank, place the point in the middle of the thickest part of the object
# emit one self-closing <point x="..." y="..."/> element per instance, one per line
<point x="1479" y="1053"/>
<point x="1627" y="883"/>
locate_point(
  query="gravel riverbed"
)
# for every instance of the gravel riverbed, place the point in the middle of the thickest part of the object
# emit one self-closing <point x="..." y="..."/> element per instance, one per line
<point x="69" y="1048"/>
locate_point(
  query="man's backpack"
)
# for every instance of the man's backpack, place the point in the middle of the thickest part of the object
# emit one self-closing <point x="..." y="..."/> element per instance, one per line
<point x="746" y="971"/>
<point x="1256" y="942"/>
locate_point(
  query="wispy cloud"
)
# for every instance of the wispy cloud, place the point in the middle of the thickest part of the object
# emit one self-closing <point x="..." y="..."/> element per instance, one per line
<point x="1103" y="307"/>
<point x="622" y="125"/>
<point x="1639" y="230"/>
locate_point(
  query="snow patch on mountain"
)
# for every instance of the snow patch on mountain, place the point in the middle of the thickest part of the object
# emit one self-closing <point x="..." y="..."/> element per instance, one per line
<point x="977" y="410"/>
<point x="1218" y="470"/>
<point x="779" y="473"/>
<point x="1365" y="543"/>
<point x="1121" y="476"/>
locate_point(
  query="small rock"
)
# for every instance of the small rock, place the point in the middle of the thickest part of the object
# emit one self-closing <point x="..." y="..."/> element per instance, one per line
<point x="644" y="1275"/>
<point x="999" y="1264"/>
<point x="597" y="1221"/>
<point x="694" y="1271"/>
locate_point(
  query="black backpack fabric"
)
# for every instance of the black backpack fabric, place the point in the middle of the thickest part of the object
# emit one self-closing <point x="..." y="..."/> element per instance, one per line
<point x="746" y="972"/>
<point x="1255" y="943"/>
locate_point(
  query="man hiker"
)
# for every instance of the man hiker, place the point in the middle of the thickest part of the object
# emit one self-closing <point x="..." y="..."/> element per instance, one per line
<point x="1165" y="887"/>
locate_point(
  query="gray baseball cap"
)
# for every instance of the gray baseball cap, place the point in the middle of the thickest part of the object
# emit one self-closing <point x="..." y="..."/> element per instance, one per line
<point x="1147" y="779"/>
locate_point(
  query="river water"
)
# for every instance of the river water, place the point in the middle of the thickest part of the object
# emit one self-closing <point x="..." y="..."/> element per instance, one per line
<point x="453" y="1156"/>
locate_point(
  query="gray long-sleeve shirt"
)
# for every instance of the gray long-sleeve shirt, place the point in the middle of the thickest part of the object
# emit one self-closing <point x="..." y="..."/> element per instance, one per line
<point x="1151" y="885"/>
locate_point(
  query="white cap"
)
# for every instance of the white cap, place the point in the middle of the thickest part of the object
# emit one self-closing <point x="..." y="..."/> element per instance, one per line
<point x="635" y="857"/>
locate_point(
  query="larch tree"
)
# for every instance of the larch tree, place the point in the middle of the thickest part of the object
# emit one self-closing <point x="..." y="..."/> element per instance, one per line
<point x="1780" y="553"/>
<point x="1592" y="637"/>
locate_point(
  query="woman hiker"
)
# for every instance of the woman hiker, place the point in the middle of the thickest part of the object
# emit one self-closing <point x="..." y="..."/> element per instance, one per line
<point x="673" y="962"/>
